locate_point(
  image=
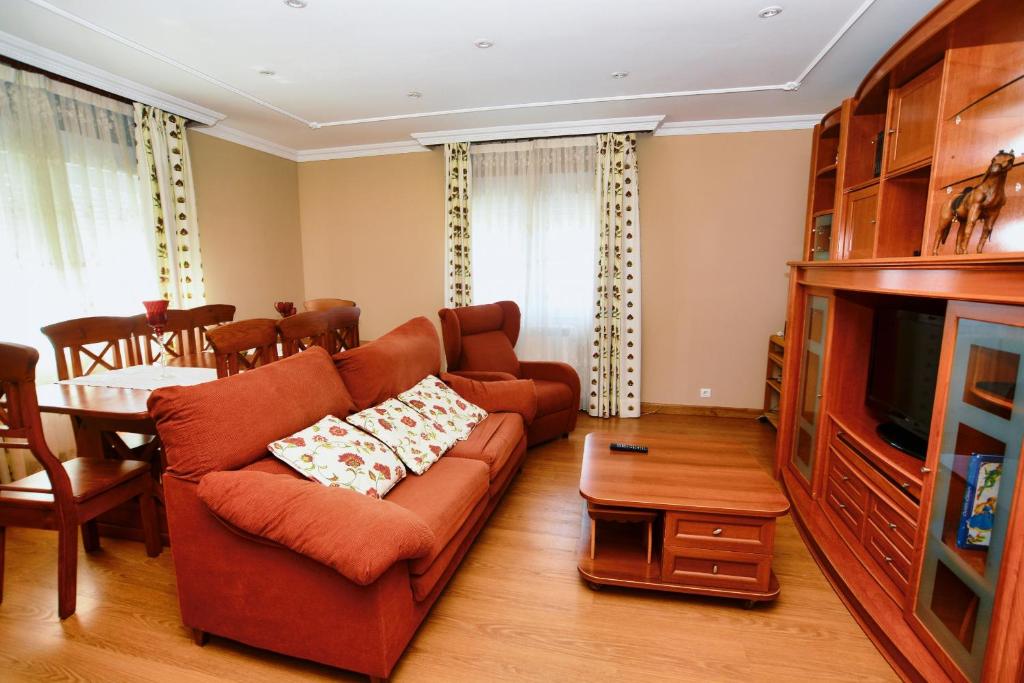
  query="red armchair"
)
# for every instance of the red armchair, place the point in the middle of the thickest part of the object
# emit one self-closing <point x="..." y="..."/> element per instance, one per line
<point x="479" y="343"/>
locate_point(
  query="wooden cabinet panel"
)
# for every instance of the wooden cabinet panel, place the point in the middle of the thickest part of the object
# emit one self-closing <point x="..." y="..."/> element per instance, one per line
<point x="888" y="558"/>
<point x="913" y="115"/>
<point x="719" y="532"/>
<point x="894" y="525"/>
<point x="861" y="216"/>
<point x="716" y="569"/>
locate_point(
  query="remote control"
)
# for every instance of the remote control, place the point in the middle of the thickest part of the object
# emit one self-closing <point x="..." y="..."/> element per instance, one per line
<point x="633" y="448"/>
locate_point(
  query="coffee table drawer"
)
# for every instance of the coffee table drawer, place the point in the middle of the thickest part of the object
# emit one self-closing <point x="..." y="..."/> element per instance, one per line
<point x="716" y="569"/>
<point x="719" y="532"/>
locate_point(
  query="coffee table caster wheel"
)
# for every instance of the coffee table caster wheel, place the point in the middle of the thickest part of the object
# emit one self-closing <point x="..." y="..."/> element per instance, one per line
<point x="594" y="586"/>
<point x="750" y="604"/>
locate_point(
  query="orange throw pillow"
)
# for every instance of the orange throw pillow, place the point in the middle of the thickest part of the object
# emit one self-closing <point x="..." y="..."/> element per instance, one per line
<point x="358" y="536"/>
<point x="503" y="396"/>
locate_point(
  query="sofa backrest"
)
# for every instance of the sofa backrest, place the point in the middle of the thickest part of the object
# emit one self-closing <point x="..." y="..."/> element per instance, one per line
<point x="390" y="364"/>
<point x="482" y="337"/>
<point x="227" y="424"/>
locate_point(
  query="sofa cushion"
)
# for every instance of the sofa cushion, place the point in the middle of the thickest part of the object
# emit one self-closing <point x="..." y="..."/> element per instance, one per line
<point x="227" y="424"/>
<point x="552" y="397"/>
<point x="334" y="453"/>
<point x="417" y="440"/>
<point x="444" y="499"/>
<point x="436" y="401"/>
<point x="390" y="364"/>
<point x="489" y="351"/>
<point x="497" y="396"/>
<point x="356" y="535"/>
<point x="492" y="442"/>
<point x="271" y="465"/>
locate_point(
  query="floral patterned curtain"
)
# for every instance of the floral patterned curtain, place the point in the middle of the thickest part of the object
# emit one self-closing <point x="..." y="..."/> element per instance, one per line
<point x="162" y="152"/>
<point x="615" y="368"/>
<point x="458" y="278"/>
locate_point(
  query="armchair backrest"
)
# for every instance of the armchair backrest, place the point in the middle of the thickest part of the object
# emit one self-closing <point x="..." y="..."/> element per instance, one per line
<point x="481" y="337"/>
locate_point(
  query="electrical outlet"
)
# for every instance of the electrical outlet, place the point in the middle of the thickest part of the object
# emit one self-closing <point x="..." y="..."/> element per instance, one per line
<point x="705" y="393"/>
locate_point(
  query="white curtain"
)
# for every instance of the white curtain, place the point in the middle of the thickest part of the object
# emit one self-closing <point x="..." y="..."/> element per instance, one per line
<point x="73" y="230"/>
<point x="534" y="214"/>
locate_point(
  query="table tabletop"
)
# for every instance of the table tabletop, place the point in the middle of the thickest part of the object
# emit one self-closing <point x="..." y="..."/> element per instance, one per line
<point x="678" y="473"/>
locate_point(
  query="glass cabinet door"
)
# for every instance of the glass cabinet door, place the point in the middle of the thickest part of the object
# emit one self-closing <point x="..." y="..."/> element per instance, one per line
<point x="809" y="385"/>
<point x="975" y="483"/>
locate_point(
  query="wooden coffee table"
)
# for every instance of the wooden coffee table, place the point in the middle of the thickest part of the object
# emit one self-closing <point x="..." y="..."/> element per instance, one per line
<point x="715" y="517"/>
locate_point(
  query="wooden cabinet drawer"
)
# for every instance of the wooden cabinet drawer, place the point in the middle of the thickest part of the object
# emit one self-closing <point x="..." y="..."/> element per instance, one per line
<point x="885" y="555"/>
<point x="910" y="483"/>
<point x="716" y="569"/>
<point x="847" y="479"/>
<point x="897" y="528"/>
<point x="842" y="507"/>
<point x="719" y="532"/>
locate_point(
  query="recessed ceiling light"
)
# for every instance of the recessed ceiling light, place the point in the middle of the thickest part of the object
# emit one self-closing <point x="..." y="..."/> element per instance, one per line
<point x="267" y="72"/>
<point x="296" y="4"/>
<point x="620" y="74"/>
<point x="483" y="43"/>
<point x="769" y="12"/>
<point x="414" y="94"/>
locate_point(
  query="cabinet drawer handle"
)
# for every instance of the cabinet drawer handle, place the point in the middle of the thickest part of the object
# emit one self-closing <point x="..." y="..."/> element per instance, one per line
<point x="905" y="485"/>
<point x="844" y="477"/>
<point x="888" y="559"/>
<point x="717" y="532"/>
<point x="926" y="470"/>
<point x="842" y="506"/>
<point x="714" y="569"/>
<point x="891" y="525"/>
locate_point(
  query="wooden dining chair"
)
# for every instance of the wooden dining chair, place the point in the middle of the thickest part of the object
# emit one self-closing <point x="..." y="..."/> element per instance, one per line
<point x="87" y="345"/>
<point x="300" y="331"/>
<point x="243" y="345"/>
<point x="342" y="328"/>
<point x="205" y="318"/>
<point x="324" y="304"/>
<point x="179" y="337"/>
<point x="64" y="495"/>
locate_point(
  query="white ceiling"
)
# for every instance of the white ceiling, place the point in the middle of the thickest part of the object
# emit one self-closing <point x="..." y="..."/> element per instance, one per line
<point x="337" y="60"/>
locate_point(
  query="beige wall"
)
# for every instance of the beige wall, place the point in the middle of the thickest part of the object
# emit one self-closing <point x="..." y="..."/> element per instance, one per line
<point x="720" y="215"/>
<point x="248" y="206"/>
<point x="373" y="231"/>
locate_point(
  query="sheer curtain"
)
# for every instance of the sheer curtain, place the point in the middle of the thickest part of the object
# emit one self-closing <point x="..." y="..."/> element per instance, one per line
<point x="73" y="228"/>
<point x="534" y="214"/>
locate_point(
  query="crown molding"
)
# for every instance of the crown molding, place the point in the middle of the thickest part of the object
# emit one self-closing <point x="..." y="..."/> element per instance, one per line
<point x="749" y="125"/>
<point x="247" y="140"/>
<point x="541" y="130"/>
<point x="353" y="151"/>
<point x="62" y="65"/>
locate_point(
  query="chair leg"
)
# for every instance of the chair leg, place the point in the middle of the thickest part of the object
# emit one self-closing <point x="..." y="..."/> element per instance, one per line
<point x="67" y="570"/>
<point x="90" y="536"/>
<point x="3" y="538"/>
<point x="150" y="525"/>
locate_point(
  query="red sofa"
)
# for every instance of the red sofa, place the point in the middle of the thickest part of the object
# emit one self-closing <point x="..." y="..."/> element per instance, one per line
<point x="248" y="588"/>
<point x="479" y="342"/>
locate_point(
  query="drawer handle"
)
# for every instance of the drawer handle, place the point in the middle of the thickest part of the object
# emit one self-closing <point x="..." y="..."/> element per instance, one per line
<point x="842" y="506"/>
<point x="905" y="485"/>
<point x="844" y="477"/>
<point x="714" y="569"/>
<point x="926" y="470"/>
<point x="717" y="532"/>
<point x="891" y="525"/>
<point x="888" y="559"/>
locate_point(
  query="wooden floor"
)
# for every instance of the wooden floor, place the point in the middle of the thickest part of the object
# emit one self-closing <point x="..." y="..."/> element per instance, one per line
<point x="516" y="609"/>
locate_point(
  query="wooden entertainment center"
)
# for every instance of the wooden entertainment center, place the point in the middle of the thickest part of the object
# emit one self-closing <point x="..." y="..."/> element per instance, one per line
<point x="884" y="524"/>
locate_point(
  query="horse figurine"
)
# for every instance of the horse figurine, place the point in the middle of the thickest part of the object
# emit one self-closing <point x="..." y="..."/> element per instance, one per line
<point x="974" y="205"/>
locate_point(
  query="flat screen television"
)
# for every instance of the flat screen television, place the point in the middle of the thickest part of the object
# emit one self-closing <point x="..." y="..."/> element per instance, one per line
<point x="901" y="380"/>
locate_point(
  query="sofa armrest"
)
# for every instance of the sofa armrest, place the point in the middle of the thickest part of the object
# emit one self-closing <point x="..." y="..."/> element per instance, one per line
<point x="357" y="536"/>
<point x="553" y="372"/>
<point x="508" y="396"/>
<point x="484" y="375"/>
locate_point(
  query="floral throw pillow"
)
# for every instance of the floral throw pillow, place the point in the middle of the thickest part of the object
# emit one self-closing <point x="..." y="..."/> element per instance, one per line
<point x="417" y="440"/>
<point x="435" y="400"/>
<point x="337" y="454"/>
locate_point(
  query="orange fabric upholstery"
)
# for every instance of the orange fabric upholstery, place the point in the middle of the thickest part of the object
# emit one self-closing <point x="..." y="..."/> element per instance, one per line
<point x="482" y="338"/>
<point x="509" y="396"/>
<point x="492" y="442"/>
<point x="357" y="536"/>
<point x="443" y="497"/>
<point x="484" y="375"/>
<point x="227" y="424"/>
<point x="387" y="366"/>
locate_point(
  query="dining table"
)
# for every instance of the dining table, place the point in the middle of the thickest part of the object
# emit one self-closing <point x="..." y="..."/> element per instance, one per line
<point x="109" y="416"/>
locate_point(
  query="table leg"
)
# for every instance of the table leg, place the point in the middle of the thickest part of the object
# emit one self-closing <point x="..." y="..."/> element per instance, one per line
<point x="88" y="441"/>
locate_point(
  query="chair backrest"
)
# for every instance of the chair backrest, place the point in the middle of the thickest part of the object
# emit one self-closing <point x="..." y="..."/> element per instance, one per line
<point x="20" y="424"/>
<point x="243" y="345"/>
<point x="300" y="331"/>
<point x="85" y="345"/>
<point x="342" y="328"/>
<point x="204" y="318"/>
<point x="481" y="337"/>
<point x="179" y="337"/>
<point x="324" y="304"/>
